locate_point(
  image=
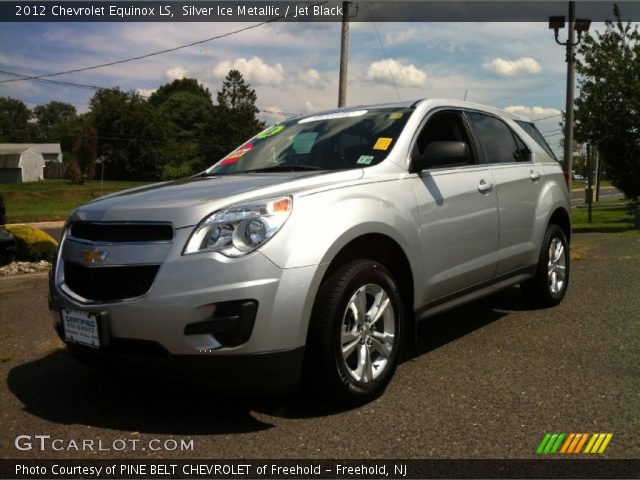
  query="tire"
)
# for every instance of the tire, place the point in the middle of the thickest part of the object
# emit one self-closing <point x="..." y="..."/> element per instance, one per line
<point x="351" y="357"/>
<point x="549" y="285"/>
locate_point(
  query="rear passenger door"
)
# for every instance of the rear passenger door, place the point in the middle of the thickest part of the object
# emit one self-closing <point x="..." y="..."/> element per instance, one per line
<point x="517" y="181"/>
<point x="457" y="207"/>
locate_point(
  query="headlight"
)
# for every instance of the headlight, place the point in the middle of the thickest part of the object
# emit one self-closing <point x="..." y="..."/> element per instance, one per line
<point x="240" y="229"/>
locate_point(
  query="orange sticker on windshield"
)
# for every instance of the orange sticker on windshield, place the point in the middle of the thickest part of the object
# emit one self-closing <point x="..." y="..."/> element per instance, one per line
<point x="234" y="156"/>
<point x="383" y="143"/>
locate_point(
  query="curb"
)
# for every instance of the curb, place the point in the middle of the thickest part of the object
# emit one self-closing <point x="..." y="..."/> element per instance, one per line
<point x="56" y="224"/>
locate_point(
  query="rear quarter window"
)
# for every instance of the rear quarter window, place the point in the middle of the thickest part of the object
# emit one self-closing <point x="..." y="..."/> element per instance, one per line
<point x="534" y="133"/>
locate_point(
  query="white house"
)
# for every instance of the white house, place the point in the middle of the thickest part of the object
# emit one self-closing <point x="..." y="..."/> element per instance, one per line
<point x="26" y="162"/>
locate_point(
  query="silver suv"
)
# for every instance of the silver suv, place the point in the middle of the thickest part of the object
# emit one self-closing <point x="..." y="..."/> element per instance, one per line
<point x="313" y="249"/>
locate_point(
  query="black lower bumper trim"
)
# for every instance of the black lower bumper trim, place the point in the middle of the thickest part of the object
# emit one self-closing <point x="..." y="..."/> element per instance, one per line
<point x="257" y="373"/>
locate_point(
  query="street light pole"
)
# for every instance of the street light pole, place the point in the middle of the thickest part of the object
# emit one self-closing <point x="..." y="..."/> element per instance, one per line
<point x="568" y="127"/>
<point x="579" y="25"/>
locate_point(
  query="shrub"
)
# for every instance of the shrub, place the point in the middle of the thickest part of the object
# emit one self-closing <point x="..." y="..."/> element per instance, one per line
<point x="33" y="244"/>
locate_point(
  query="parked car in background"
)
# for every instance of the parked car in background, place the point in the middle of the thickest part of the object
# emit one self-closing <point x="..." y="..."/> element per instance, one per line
<point x="311" y="250"/>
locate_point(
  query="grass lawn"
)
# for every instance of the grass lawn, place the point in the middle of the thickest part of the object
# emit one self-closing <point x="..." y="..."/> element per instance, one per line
<point x="55" y="199"/>
<point x="616" y="219"/>
<point x="52" y="199"/>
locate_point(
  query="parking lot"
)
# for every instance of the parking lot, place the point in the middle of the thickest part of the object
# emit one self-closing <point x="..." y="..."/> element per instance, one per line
<point x="487" y="380"/>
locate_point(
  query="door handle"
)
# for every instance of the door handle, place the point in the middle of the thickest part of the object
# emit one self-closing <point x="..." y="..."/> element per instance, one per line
<point x="484" y="187"/>
<point x="535" y="176"/>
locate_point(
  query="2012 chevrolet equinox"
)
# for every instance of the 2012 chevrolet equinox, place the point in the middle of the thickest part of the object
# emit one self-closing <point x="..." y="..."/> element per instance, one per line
<point x="313" y="248"/>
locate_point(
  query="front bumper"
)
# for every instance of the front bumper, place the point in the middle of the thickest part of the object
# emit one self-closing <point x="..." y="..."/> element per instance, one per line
<point x="186" y="299"/>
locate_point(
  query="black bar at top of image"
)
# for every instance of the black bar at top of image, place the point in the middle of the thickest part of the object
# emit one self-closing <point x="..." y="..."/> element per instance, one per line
<point x="325" y="11"/>
<point x="320" y="469"/>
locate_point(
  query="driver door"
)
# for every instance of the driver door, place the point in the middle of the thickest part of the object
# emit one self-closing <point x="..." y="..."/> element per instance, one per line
<point x="458" y="212"/>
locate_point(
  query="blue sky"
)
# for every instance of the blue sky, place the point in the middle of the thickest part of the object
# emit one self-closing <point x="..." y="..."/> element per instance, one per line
<point x="294" y="66"/>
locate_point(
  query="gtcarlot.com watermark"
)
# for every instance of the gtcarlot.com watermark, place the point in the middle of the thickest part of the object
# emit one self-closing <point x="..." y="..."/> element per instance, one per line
<point x="44" y="443"/>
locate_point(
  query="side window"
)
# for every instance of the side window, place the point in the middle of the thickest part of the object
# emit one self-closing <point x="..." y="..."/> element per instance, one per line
<point x="523" y="154"/>
<point x="534" y="133"/>
<point x="499" y="142"/>
<point x="443" y="127"/>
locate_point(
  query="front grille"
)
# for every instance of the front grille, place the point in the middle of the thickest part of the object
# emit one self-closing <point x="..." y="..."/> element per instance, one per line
<point x="122" y="232"/>
<point x="105" y="284"/>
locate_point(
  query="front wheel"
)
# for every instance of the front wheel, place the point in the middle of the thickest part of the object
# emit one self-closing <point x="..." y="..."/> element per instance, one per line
<point x="355" y="333"/>
<point x="550" y="283"/>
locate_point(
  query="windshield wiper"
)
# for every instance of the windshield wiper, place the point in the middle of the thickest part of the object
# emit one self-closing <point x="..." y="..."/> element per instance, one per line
<point x="283" y="168"/>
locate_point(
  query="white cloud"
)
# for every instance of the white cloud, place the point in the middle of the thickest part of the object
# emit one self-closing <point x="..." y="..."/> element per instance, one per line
<point x="146" y="92"/>
<point x="510" y="68"/>
<point x="311" y="78"/>
<point x="176" y="73"/>
<point x="532" y="112"/>
<point x="254" y="71"/>
<point x="390" y="71"/>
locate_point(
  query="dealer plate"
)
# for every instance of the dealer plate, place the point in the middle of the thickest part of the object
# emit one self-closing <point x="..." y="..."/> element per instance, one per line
<point x="81" y="327"/>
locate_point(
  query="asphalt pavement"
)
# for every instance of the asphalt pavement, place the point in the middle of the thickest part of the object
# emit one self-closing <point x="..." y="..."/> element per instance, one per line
<point x="487" y="380"/>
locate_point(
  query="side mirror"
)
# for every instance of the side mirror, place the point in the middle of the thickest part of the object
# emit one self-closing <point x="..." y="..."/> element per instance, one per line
<point x="441" y="154"/>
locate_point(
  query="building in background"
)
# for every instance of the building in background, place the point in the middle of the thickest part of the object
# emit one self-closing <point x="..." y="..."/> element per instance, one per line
<point x="30" y="162"/>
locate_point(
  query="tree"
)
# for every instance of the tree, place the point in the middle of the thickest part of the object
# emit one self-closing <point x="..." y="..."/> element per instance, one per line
<point x="189" y="85"/>
<point x="237" y="119"/>
<point x="57" y="122"/>
<point x="132" y="135"/>
<point x="187" y="107"/>
<point x="14" y="121"/>
<point x="608" y="106"/>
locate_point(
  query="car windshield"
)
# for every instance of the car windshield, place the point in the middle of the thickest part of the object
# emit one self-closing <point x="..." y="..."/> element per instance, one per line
<point x="341" y="140"/>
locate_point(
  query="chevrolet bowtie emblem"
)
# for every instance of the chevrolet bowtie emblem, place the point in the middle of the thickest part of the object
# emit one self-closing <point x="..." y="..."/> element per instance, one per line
<point x="92" y="255"/>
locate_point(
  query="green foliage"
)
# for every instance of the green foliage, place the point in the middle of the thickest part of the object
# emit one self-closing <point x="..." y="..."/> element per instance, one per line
<point x="177" y="132"/>
<point x="33" y="244"/>
<point x="187" y="108"/>
<point x="172" y="171"/>
<point x="608" y="107"/>
<point x="57" y="122"/>
<point x="132" y="135"/>
<point x="237" y="120"/>
<point x="184" y="85"/>
<point x="14" y="121"/>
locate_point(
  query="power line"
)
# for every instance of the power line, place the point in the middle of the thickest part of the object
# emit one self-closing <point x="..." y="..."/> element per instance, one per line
<point x="152" y="54"/>
<point x="395" y="85"/>
<point x="96" y="87"/>
<point x="546" y="118"/>
<point x="126" y="138"/>
<point x="524" y="91"/>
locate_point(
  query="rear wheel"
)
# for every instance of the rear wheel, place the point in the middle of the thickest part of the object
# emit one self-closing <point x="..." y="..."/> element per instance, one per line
<point x="550" y="283"/>
<point x="355" y="333"/>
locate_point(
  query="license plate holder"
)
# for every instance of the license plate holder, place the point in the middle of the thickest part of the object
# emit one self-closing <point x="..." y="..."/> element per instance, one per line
<point x="82" y="328"/>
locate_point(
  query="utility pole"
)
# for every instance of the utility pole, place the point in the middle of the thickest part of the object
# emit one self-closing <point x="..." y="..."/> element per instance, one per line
<point x="568" y="126"/>
<point x="344" y="56"/>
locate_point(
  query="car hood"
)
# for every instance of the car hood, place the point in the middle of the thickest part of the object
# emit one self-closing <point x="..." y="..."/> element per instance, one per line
<point x="186" y="202"/>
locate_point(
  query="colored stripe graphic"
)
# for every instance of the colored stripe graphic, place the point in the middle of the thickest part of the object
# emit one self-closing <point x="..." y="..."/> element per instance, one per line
<point x="572" y="443"/>
<point x="607" y="439"/>
<point x="550" y="443"/>
<point x="598" y="442"/>
<point x="567" y="443"/>
<point x="544" y="441"/>
<point x="581" y="442"/>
